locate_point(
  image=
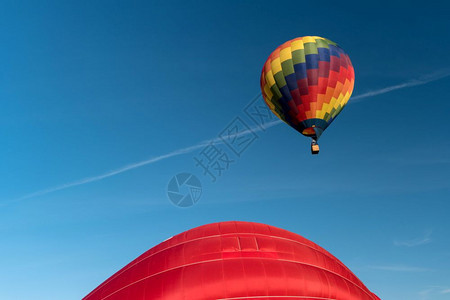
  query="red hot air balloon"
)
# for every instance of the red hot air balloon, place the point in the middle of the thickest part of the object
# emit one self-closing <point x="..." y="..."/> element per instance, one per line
<point x="231" y="261"/>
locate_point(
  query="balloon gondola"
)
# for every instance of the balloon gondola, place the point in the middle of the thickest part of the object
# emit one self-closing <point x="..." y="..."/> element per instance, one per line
<point x="306" y="82"/>
<point x="314" y="147"/>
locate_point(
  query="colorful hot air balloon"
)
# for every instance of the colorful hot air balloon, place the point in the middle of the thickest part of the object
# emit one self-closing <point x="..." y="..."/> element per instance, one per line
<point x="306" y="82"/>
<point x="234" y="260"/>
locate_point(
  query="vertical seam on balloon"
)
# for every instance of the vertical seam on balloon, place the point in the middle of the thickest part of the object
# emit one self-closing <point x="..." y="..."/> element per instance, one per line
<point x="284" y="74"/>
<point x="282" y="105"/>
<point x="309" y="80"/>
<point x="328" y="75"/>
<point x="275" y="103"/>
<point x="338" y="91"/>
<point x="341" y="91"/>
<point x="352" y="80"/>
<point x="333" y="87"/>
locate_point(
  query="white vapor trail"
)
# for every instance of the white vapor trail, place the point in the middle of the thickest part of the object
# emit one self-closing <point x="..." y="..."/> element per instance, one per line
<point x="419" y="241"/>
<point x="416" y="82"/>
<point x="400" y="268"/>
<point x="114" y="172"/>
<point x="152" y="160"/>
<point x="411" y="83"/>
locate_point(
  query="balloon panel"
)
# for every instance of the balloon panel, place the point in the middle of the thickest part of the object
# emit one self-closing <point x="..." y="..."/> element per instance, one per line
<point x="234" y="260"/>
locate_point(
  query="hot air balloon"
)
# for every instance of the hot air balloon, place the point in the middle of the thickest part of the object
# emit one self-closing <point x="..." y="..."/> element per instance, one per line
<point x="306" y="82"/>
<point x="230" y="261"/>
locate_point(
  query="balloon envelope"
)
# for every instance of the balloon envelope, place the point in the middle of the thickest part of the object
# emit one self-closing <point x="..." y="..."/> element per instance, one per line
<point x="306" y="82"/>
<point x="234" y="260"/>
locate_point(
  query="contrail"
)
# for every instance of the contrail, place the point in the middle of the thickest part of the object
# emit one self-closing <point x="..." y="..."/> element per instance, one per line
<point x="152" y="160"/>
<point x="411" y="83"/>
<point x="113" y="172"/>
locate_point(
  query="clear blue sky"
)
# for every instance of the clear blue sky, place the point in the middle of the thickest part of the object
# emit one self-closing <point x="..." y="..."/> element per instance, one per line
<point x="91" y="86"/>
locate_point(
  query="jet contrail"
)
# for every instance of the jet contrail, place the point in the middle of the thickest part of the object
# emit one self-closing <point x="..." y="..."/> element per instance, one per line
<point x="411" y="83"/>
<point x="152" y="160"/>
<point x="113" y="172"/>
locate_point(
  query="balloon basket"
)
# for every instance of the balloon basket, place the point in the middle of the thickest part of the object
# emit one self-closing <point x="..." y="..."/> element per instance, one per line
<point x="314" y="148"/>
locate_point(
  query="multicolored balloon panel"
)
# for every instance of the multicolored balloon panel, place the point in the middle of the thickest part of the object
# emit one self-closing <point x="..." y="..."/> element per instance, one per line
<point x="306" y="82"/>
<point x="231" y="261"/>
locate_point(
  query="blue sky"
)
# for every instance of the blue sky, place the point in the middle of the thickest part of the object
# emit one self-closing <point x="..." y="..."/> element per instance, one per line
<point x="89" y="87"/>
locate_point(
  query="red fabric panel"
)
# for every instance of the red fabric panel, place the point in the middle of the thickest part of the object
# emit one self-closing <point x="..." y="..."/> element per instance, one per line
<point x="234" y="260"/>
